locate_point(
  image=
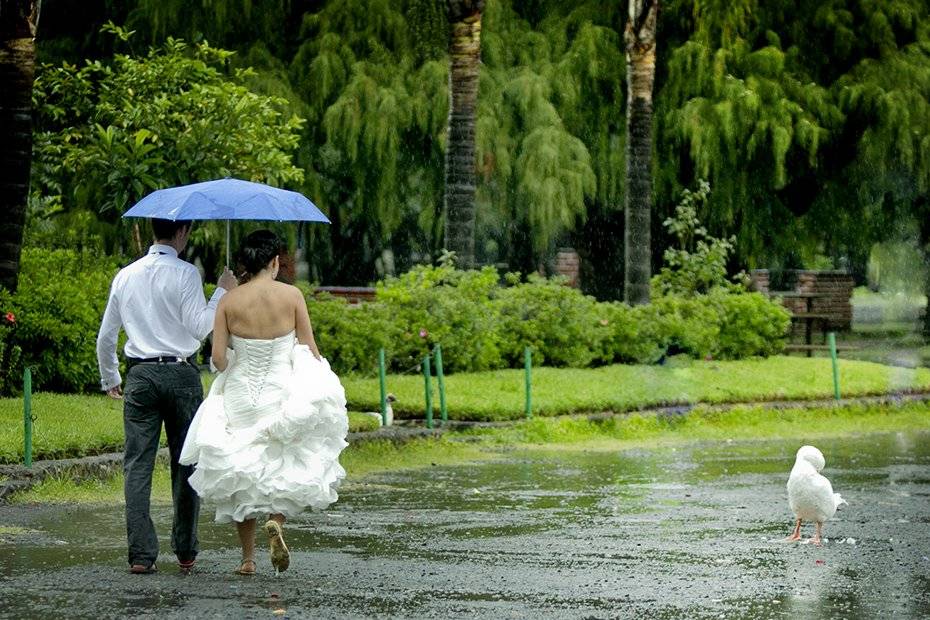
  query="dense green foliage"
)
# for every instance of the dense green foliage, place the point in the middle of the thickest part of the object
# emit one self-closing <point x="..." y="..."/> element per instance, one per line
<point x="58" y="305"/>
<point x="808" y="118"/>
<point x="109" y="133"/>
<point x="480" y="324"/>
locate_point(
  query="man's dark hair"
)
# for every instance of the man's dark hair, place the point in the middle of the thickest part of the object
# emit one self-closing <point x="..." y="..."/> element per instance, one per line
<point x="165" y="229"/>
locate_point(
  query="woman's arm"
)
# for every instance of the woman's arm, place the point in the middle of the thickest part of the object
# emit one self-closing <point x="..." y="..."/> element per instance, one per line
<point x="220" y="337"/>
<point x="302" y="319"/>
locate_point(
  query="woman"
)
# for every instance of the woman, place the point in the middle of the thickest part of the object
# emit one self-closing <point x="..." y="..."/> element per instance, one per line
<point x="267" y="438"/>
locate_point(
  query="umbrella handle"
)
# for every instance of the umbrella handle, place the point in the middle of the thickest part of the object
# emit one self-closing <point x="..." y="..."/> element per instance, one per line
<point x="227" y="243"/>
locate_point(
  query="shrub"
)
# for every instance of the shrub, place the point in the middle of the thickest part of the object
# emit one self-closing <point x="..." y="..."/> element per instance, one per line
<point x="558" y="322"/>
<point x="58" y="305"/>
<point x="10" y="352"/>
<point x="636" y="335"/>
<point x="441" y="304"/>
<point x="751" y="324"/>
<point x="690" y="325"/>
<point x="350" y="336"/>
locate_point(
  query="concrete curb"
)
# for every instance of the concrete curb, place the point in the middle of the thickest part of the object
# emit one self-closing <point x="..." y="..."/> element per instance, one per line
<point x="20" y="478"/>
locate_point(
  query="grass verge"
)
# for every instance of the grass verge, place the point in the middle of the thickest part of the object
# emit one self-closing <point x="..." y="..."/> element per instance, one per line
<point x="74" y="425"/>
<point x="499" y="395"/>
<point x="616" y="433"/>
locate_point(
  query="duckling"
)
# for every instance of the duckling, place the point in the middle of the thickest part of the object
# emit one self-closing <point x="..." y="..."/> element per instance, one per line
<point x="280" y="556"/>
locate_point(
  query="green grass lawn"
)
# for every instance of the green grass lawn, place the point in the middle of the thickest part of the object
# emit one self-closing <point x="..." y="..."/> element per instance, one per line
<point x="565" y="433"/>
<point x="499" y="395"/>
<point x="69" y="425"/>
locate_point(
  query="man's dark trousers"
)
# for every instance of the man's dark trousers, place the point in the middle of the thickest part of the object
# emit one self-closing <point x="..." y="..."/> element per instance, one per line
<point x="156" y="393"/>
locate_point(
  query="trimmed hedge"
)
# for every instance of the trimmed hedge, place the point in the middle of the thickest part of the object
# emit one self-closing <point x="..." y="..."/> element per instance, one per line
<point x="485" y="326"/>
<point x="481" y="324"/>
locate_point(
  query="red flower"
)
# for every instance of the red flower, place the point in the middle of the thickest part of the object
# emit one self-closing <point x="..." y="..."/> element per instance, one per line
<point x="10" y="317"/>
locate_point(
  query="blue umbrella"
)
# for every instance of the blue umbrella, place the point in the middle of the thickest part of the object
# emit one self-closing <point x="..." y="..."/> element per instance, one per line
<point x="227" y="199"/>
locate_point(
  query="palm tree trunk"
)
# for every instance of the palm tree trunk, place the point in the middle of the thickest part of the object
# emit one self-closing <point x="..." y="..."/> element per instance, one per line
<point x="18" y="21"/>
<point x="465" y="58"/>
<point x="640" y="37"/>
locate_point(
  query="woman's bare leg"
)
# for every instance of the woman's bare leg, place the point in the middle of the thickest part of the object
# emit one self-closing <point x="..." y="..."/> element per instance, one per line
<point x="246" y="531"/>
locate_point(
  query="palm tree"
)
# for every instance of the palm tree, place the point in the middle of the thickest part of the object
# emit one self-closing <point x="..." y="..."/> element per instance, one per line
<point x="18" y="21"/>
<point x="640" y="38"/>
<point x="464" y="60"/>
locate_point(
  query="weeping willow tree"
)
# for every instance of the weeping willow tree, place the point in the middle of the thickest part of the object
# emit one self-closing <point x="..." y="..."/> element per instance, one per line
<point x="808" y="119"/>
<point x="18" y="22"/>
<point x="806" y="116"/>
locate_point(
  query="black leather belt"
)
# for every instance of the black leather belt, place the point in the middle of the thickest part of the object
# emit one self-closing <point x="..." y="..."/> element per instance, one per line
<point x="161" y="359"/>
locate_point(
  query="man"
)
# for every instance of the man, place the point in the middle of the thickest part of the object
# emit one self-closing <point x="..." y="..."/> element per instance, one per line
<point x="158" y="300"/>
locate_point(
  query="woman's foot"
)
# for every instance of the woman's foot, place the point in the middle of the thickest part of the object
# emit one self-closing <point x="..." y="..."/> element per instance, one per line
<point x="280" y="557"/>
<point x="246" y="568"/>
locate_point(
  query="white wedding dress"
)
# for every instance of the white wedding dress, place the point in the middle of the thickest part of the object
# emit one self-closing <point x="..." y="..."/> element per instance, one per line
<point x="267" y="437"/>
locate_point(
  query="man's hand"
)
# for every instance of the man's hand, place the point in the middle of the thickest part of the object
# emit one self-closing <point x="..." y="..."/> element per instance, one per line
<point x="115" y="392"/>
<point x="227" y="280"/>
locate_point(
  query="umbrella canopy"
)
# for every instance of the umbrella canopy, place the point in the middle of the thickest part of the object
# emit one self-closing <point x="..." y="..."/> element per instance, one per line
<point x="227" y="199"/>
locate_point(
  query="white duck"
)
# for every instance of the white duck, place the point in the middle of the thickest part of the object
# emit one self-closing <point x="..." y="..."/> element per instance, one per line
<point x="810" y="494"/>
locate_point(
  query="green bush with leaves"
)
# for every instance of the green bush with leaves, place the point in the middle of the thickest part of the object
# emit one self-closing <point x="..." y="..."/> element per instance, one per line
<point x="350" y="336"/>
<point x="481" y="323"/>
<point x="558" y="322"/>
<point x="58" y="305"/>
<point x="750" y="325"/>
<point x="443" y="305"/>
<point x="631" y="335"/>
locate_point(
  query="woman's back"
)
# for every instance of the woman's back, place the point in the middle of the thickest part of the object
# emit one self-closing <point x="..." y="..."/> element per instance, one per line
<point x="262" y="309"/>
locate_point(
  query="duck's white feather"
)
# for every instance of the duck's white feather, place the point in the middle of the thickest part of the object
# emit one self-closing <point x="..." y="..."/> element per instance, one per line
<point x="810" y="494"/>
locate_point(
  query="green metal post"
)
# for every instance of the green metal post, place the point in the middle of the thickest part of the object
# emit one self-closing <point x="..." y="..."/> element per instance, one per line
<point x="27" y="416"/>
<point x="443" y="414"/>
<point x="381" y="380"/>
<point x="528" y="365"/>
<point x="831" y="339"/>
<point x="428" y="390"/>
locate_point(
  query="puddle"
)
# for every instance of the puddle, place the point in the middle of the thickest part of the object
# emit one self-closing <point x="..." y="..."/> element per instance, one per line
<point x="686" y="533"/>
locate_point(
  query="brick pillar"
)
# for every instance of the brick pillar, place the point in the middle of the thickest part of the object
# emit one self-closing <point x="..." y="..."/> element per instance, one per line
<point x="568" y="264"/>
<point x="759" y="280"/>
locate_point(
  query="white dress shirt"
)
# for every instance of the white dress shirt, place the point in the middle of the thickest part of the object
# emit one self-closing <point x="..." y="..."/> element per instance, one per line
<point x="159" y="301"/>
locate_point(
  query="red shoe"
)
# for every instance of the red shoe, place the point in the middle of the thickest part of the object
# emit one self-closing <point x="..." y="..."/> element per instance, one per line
<point x="186" y="567"/>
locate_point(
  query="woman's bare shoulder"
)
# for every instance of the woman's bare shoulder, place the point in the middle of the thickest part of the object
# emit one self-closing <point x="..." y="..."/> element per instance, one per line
<point x="290" y="290"/>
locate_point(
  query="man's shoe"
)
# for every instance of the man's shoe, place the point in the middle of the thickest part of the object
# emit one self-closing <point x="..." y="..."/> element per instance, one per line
<point x="186" y="567"/>
<point x="142" y="569"/>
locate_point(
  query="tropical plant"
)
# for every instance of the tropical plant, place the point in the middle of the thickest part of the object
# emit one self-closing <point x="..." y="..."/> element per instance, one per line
<point x="112" y="132"/>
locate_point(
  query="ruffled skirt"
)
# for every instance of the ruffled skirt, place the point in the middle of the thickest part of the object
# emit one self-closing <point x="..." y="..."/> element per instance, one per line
<point x="278" y="456"/>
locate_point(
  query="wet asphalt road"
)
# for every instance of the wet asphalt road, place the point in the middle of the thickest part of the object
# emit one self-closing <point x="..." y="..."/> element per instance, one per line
<point x="692" y="532"/>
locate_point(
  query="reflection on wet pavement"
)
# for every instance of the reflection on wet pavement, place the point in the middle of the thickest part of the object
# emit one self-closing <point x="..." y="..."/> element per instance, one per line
<point x="686" y="532"/>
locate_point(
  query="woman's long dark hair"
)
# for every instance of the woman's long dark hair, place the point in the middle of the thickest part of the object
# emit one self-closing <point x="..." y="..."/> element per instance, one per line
<point x="253" y="251"/>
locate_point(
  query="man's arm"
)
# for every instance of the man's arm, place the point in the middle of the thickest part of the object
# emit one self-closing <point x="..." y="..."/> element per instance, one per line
<point x="107" y="361"/>
<point x="197" y="313"/>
